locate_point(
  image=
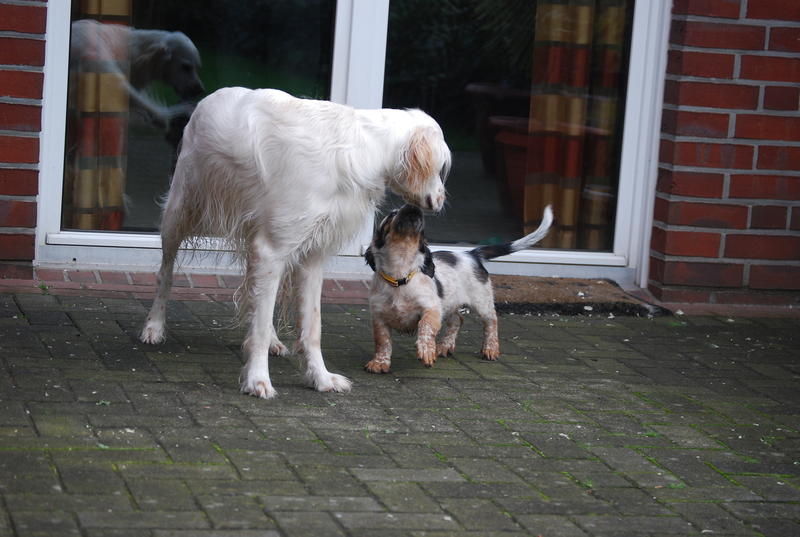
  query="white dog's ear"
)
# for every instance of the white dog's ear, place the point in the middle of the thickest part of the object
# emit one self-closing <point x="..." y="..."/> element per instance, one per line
<point x="418" y="159"/>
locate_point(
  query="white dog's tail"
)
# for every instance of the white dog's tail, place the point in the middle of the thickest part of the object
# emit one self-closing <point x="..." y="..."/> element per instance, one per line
<point x="497" y="250"/>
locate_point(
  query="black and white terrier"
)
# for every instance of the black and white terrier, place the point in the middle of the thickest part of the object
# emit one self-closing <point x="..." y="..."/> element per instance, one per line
<point x="415" y="290"/>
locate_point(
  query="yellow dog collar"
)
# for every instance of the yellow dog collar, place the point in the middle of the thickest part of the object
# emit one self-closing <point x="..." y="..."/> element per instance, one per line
<point x="395" y="282"/>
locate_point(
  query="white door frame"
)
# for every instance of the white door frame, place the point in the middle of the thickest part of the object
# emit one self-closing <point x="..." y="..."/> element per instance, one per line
<point x="357" y="79"/>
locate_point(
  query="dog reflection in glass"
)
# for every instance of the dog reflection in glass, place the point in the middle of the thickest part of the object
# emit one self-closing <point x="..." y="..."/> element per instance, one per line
<point x="418" y="291"/>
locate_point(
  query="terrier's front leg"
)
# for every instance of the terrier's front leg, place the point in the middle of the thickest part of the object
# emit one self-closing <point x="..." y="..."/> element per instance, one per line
<point x="382" y="360"/>
<point x="427" y="329"/>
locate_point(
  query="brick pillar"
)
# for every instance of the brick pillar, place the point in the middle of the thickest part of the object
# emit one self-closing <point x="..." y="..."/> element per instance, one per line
<point x="727" y="210"/>
<point x="22" y="30"/>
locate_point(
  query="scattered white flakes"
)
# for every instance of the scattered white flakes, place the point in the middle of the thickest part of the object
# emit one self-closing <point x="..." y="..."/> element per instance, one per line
<point x="129" y="430"/>
<point x="564" y="435"/>
<point x="581" y="294"/>
<point x="610" y="315"/>
<point x="588" y="308"/>
<point x="679" y="312"/>
<point x="729" y="321"/>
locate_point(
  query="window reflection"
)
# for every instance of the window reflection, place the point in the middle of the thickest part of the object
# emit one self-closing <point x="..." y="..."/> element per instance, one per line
<point x="138" y="67"/>
<point x="531" y="98"/>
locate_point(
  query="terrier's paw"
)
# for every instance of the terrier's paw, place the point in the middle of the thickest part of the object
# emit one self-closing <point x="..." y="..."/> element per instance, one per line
<point x="490" y="352"/>
<point x="377" y="365"/>
<point x="152" y="333"/>
<point x="426" y="353"/>
<point x="444" y="349"/>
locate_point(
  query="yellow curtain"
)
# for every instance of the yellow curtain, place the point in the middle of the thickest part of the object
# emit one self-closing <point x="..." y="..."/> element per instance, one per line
<point x="97" y="128"/>
<point x="573" y="127"/>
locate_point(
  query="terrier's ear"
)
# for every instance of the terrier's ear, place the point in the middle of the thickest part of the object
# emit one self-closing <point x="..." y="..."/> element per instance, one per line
<point x="369" y="257"/>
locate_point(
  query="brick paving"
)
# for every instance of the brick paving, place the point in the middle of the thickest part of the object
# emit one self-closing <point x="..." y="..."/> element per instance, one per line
<point x="586" y="426"/>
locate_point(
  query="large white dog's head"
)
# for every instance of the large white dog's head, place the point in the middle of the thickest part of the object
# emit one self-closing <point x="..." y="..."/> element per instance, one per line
<point x="424" y="164"/>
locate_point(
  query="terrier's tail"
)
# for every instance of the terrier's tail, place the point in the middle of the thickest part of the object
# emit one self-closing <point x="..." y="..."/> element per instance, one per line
<point x="497" y="250"/>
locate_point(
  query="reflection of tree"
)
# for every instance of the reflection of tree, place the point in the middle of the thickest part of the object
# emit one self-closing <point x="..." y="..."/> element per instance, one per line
<point x="435" y="49"/>
<point x="508" y="25"/>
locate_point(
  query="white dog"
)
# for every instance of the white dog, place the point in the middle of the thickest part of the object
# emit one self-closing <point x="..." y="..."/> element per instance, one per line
<point x="150" y="55"/>
<point x="414" y="290"/>
<point x="288" y="182"/>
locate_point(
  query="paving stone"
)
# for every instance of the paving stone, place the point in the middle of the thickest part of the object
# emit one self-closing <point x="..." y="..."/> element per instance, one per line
<point x="320" y="503"/>
<point x="143" y="519"/>
<point x="403" y="497"/>
<point x="307" y="523"/>
<point x="710" y="518"/>
<point x="227" y="512"/>
<point x="37" y="523"/>
<point x="480" y="514"/>
<point x="484" y="470"/>
<point x="551" y="525"/>
<point x="399" y="474"/>
<point x="410" y="521"/>
<point x="633" y="525"/>
<point x="161" y="495"/>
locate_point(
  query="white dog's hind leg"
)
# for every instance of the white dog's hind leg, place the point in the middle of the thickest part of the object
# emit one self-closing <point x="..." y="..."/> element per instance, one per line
<point x="153" y="331"/>
<point x="310" y="325"/>
<point x="266" y="271"/>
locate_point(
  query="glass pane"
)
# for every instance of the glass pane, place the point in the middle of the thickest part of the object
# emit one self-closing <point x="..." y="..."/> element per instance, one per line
<point x="530" y="95"/>
<point x="137" y="67"/>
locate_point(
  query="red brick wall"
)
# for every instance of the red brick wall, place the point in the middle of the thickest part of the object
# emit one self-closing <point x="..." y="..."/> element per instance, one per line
<point x="22" y="27"/>
<point x="727" y="210"/>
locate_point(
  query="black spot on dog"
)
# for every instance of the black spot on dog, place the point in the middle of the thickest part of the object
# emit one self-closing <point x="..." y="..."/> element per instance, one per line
<point x="428" y="266"/>
<point x="481" y="274"/>
<point x="446" y="257"/>
<point x="439" y="288"/>
<point x="491" y="251"/>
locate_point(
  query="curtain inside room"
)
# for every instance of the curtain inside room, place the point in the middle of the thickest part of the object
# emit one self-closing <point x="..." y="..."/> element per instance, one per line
<point x="97" y="121"/>
<point x="574" y="127"/>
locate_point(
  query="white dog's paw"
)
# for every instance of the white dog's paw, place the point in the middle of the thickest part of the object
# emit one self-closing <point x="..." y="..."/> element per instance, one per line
<point x="331" y="382"/>
<point x="276" y="348"/>
<point x="152" y="333"/>
<point x="259" y="388"/>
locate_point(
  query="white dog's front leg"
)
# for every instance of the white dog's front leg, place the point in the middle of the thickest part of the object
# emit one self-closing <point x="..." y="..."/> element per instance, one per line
<point x="267" y="273"/>
<point x="310" y="324"/>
